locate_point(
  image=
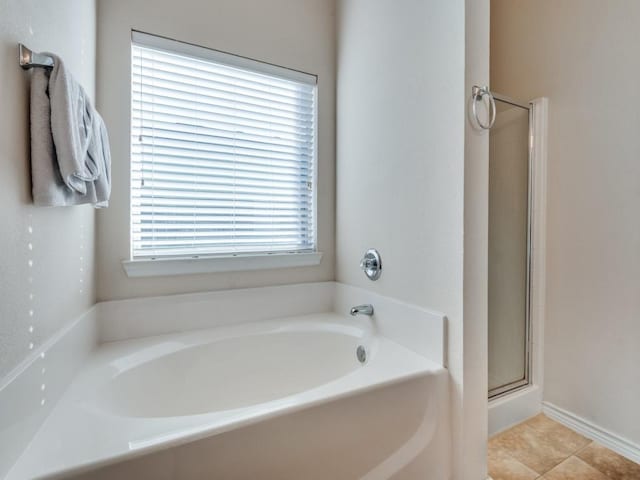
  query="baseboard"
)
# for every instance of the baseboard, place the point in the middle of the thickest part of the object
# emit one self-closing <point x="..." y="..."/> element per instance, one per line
<point x="601" y="435"/>
<point x="513" y="408"/>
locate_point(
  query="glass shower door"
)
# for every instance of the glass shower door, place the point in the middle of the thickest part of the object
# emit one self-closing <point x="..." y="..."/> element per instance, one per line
<point x="509" y="251"/>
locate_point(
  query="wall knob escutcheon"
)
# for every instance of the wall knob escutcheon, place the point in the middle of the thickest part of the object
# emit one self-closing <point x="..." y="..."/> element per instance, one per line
<point x="371" y="264"/>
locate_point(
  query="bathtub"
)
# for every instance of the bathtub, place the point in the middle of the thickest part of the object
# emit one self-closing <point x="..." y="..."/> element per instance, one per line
<point x="310" y="396"/>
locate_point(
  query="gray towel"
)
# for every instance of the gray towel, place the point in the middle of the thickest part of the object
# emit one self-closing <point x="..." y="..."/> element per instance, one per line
<point x="70" y="159"/>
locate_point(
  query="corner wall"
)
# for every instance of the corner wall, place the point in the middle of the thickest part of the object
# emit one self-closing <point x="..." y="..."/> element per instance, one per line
<point x="401" y="181"/>
<point x="583" y="55"/>
<point x="472" y="454"/>
<point x="298" y="35"/>
<point x="47" y="254"/>
<point x="400" y="147"/>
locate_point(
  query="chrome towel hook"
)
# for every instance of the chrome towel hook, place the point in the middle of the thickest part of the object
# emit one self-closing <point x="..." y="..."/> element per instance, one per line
<point x="29" y="59"/>
<point x="476" y="96"/>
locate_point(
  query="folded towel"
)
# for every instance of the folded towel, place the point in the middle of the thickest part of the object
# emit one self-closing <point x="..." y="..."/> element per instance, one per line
<point x="70" y="159"/>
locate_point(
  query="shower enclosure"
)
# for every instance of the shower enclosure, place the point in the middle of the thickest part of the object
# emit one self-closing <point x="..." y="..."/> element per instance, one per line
<point x="510" y="200"/>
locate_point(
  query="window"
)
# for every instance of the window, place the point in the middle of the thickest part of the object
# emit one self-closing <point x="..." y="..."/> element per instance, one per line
<point x="223" y="154"/>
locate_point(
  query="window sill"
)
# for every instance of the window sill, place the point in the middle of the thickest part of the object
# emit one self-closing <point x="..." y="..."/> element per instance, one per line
<point x="186" y="266"/>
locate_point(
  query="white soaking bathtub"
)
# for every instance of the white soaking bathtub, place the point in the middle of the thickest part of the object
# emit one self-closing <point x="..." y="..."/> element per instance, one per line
<point x="230" y="369"/>
<point x="296" y="383"/>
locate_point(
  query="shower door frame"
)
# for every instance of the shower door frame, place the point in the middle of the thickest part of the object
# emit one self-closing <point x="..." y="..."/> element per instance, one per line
<point x="527" y="380"/>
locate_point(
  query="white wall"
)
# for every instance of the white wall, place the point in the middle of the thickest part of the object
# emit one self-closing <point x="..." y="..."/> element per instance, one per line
<point x="469" y="337"/>
<point x="401" y="178"/>
<point x="294" y="34"/>
<point x="401" y="147"/>
<point x="59" y="285"/>
<point x="583" y="55"/>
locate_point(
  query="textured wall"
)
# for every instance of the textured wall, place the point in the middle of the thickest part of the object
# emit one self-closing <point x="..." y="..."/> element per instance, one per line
<point x="583" y="55"/>
<point x="294" y="34"/>
<point x="47" y="254"/>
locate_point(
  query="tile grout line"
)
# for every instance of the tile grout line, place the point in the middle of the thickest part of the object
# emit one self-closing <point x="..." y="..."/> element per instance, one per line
<point x="578" y="458"/>
<point x="528" y="427"/>
<point x="581" y="449"/>
<point x="592" y="466"/>
<point x="595" y="467"/>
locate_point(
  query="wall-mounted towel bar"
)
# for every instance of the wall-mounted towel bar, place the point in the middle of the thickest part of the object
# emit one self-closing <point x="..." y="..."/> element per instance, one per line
<point x="29" y="59"/>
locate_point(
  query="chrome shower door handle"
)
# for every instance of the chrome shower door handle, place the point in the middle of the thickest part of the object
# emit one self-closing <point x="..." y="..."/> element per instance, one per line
<point x="477" y="93"/>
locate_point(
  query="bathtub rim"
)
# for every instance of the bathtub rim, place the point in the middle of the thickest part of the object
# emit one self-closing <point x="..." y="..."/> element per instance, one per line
<point x="43" y="439"/>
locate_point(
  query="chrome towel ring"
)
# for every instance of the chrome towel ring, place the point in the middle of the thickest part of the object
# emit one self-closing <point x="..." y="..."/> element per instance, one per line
<point x="477" y="93"/>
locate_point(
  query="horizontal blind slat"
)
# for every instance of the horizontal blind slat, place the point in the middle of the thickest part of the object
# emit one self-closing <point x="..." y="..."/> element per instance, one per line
<point x="147" y="118"/>
<point x="220" y="137"/>
<point x="216" y="87"/>
<point x="212" y="68"/>
<point x="191" y="149"/>
<point x="249" y="86"/>
<point x="147" y="101"/>
<point x="149" y="171"/>
<point x="181" y="174"/>
<point x="218" y="210"/>
<point x="168" y="91"/>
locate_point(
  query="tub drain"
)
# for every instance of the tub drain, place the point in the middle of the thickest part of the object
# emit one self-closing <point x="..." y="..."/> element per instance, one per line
<point x="361" y="353"/>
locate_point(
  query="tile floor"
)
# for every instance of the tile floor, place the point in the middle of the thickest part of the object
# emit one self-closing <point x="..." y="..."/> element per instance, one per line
<point x="542" y="448"/>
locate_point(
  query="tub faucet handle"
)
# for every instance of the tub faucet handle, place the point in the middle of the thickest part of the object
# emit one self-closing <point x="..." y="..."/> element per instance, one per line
<point x="371" y="264"/>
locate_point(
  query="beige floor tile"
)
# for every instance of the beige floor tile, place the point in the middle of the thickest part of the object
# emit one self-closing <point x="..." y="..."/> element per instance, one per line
<point x="564" y="438"/>
<point x="531" y="447"/>
<point x="574" y="469"/>
<point x="614" y="466"/>
<point x="505" y="467"/>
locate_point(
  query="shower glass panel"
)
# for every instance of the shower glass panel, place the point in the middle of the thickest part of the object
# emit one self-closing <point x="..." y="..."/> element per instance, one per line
<point x="509" y="252"/>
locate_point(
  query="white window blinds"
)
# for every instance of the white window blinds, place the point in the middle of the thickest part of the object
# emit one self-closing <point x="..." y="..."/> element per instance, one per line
<point x="223" y="153"/>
